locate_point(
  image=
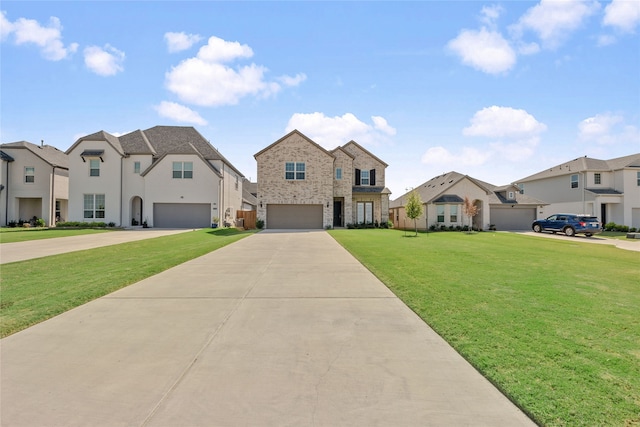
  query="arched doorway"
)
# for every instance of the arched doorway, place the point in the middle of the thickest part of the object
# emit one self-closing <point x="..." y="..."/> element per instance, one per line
<point x="136" y="210"/>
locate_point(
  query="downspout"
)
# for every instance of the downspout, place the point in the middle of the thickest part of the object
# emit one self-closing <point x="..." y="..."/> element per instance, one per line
<point x="52" y="214"/>
<point x="584" y="185"/>
<point x="121" y="184"/>
<point x="223" y="212"/>
<point x="6" y="205"/>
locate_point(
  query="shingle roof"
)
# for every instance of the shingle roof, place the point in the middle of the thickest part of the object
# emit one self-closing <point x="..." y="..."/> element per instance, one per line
<point x="6" y="157"/>
<point x="365" y="189"/>
<point x="582" y="164"/>
<point x="436" y="187"/>
<point x="603" y="191"/>
<point x="49" y="154"/>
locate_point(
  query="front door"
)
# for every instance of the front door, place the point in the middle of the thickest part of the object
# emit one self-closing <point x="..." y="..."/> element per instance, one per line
<point x="603" y="214"/>
<point x="337" y="213"/>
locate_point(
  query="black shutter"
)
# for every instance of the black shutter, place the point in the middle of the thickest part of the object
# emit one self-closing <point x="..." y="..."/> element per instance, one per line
<point x="357" y="176"/>
<point x="372" y="177"/>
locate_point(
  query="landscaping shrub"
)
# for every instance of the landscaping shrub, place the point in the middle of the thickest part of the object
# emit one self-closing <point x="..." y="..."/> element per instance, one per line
<point x="77" y="224"/>
<point x="259" y="223"/>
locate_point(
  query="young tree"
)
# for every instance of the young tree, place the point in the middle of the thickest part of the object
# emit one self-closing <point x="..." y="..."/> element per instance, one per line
<point x="470" y="209"/>
<point x="413" y="208"/>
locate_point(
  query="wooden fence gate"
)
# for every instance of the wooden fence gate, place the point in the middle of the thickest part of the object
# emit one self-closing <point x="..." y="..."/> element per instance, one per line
<point x="249" y="219"/>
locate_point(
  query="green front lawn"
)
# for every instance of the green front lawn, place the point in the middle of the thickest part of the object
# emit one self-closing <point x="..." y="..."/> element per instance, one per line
<point x="36" y="290"/>
<point x="12" y="235"/>
<point x="554" y="324"/>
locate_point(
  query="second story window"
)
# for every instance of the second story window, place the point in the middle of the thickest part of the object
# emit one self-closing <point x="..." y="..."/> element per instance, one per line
<point x="294" y="171"/>
<point x="364" y="177"/>
<point x="574" y="181"/>
<point x="29" y="174"/>
<point x="521" y="187"/>
<point x="597" y="178"/>
<point x="94" y="167"/>
<point x="183" y="170"/>
<point x="638" y="178"/>
<point x="136" y="167"/>
<point x="338" y="173"/>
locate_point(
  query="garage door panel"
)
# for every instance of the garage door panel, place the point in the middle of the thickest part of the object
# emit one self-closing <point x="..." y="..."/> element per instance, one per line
<point x="513" y="219"/>
<point x="294" y="216"/>
<point x="181" y="215"/>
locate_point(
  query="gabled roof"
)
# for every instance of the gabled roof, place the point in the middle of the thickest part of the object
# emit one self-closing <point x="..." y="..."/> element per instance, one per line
<point x="438" y="186"/>
<point x="186" y="151"/>
<point x="342" y="150"/>
<point x="352" y="142"/>
<point x="113" y="141"/>
<point x="293" y="132"/>
<point x="47" y="153"/>
<point x="6" y="157"/>
<point x="159" y="141"/>
<point x="583" y="164"/>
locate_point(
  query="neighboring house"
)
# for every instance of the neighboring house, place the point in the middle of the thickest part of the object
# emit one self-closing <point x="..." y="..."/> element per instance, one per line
<point x="608" y="189"/>
<point x="249" y="195"/>
<point x="34" y="181"/>
<point x="302" y="185"/>
<point x="165" y="176"/>
<point x="502" y="208"/>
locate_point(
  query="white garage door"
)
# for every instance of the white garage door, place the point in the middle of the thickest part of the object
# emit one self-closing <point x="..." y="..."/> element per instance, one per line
<point x="509" y="219"/>
<point x="294" y="216"/>
<point x="181" y="215"/>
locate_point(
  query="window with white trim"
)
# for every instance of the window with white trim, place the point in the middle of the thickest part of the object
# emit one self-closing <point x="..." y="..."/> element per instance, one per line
<point x="364" y="177"/>
<point x="521" y="187"/>
<point x="94" y="167"/>
<point x="136" y="167"/>
<point x="183" y="170"/>
<point x="29" y="174"/>
<point x="597" y="178"/>
<point x="364" y="212"/>
<point x="440" y="212"/>
<point x="94" y="206"/>
<point x="574" y="181"/>
<point x="638" y="178"/>
<point x="294" y="171"/>
<point x="453" y="213"/>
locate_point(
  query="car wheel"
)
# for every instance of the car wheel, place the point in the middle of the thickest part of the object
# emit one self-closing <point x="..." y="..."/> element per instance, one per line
<point x="588" y="234"/>
<point x="569" y="231"/>
<point x="537" y="228"/>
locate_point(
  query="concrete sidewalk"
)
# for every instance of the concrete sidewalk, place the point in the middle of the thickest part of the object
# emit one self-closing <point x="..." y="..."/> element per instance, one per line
<point x="20" y="251"/>
<point x="276" y="329"/>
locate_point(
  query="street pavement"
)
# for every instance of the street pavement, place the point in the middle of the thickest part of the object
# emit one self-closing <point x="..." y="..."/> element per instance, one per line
<point x="277" y="329"/>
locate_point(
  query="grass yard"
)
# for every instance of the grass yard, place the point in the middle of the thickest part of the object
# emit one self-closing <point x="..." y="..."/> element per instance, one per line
<point x="554" y="324"/>
<point x="12" y="235"/>
<point x="36" y="290"/>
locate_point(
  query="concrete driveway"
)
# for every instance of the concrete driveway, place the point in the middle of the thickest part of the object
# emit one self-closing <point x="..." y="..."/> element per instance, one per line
<point x="277" y="329"/>
<point x="20" y="251"/>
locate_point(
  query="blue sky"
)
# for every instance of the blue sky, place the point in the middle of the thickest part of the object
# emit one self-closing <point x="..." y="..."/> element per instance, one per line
<point x="495" y="90"/>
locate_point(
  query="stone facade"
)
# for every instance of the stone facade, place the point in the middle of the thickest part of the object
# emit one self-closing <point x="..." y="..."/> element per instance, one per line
<point x="338" y="194"/>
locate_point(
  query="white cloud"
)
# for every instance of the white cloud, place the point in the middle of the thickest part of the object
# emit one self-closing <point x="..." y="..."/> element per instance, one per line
<point x="179" y="113"/>
<point x="205" y="79"/>
<point x="105" y="61"/>
<point x="623" y="15"/>
<point x="484" y="50"/>
<point x="554" y="20"/>
<point x="503" y="122"/>
<point x="177" y="42"/>
<point x="442" y="157"/>
<point x="607" y="129"/>
<point x="605" y="40"/>
<point x="331" y="132"/>
<point x="292" y="81"/>
<point x="490" y="14"/>
<point x="47" y="38"/>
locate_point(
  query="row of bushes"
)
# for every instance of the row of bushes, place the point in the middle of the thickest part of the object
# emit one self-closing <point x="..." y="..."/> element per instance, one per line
<point x="77" y="224"/>
<point x="374" y="224"/>
<point x="442" y="227"/>
<point x="33" y="222"/>
<point x="612" y="226"/>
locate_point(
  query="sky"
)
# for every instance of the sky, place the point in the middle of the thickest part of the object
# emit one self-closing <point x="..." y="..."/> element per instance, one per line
<point x="495" y="90"/>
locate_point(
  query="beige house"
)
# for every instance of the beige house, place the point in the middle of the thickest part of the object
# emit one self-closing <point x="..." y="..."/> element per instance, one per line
<point x="608" y="189"/>
<point x="165" y="176"/>
<point x="500" y="208"/>
<point x="304" y="186"/>
<point x="34" y="182"/>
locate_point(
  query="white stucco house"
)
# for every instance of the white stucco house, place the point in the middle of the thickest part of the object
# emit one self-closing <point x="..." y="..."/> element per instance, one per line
<point x="33" y="183"/>
<point x="165" y="176"/>
<point x="608" y="189"/>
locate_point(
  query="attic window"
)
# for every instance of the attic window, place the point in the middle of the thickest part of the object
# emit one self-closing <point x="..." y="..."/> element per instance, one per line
<point x="92" y="153"/>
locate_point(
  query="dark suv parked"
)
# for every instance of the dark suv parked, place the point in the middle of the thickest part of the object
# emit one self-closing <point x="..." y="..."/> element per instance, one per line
<point x="569" y="224"/>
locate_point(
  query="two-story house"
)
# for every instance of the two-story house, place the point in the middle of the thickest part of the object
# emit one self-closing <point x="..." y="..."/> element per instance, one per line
<point x="498" y="207"/>
<point x="301" y="185"/>
<point x="165" y="176"/>
<point x="608" y="189"/>
<point x="34" y="182"/>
